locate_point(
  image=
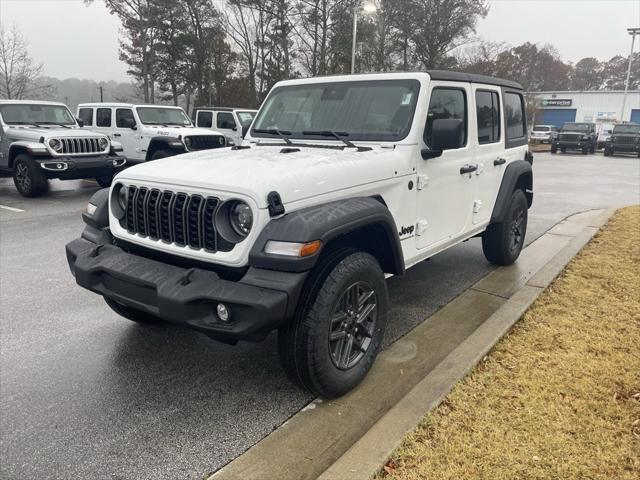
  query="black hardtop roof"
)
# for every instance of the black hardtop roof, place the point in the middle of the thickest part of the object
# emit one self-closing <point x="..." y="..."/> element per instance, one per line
<point x="627" y="124"/>
<point x="452" y="76"/>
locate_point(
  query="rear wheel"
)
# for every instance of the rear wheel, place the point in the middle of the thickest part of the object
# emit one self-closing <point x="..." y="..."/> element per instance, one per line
<point x="28" y="177"/>
<point x="132" y="314"/>
<point x="330" y="345"/>
<point x="161" y="154"/>
<point x="502" y="242"/>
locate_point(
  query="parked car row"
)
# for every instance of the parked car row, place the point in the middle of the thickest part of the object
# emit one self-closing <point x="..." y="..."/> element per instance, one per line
<point x="43" y="140"/>
<point x="582" y="137"/>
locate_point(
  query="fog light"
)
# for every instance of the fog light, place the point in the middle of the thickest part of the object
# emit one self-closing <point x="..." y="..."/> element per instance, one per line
<point x="223" y="312"/>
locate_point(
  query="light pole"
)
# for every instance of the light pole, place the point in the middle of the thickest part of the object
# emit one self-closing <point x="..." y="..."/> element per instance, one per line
<point x="368" y="8"/>
<point x="633" y="32"/>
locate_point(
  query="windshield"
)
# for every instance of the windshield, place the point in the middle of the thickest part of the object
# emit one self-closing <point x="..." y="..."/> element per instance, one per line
<point x="626" y="129"/>
<point x="379" y="110"/>
<point x="576" y="127"/>
<point x="163" y="116"/>
<point x="246" y="118"/>
<point x="35" y="114"/>
<point x="539" y="128"/>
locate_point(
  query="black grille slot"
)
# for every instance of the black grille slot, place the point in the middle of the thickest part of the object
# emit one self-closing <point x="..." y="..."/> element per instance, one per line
<point x="185" y="220"/>
<point x="206" y="142"/>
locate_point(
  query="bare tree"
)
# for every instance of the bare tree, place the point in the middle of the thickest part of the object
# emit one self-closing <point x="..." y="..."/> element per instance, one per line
<point x="19" y="74"/>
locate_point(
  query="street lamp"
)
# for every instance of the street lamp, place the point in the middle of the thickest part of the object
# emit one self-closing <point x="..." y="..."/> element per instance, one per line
<point x="368" y="8"/>
<point x="633" y="32"/>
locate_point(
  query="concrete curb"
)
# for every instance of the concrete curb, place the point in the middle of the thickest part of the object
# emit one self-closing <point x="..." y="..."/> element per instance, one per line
<point x="352" y="437"/>
<point x="369" y="454"/>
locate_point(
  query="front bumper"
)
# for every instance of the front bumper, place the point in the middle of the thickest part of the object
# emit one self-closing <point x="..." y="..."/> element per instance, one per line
<point x="573" y="144"/>
<point x="259" y="302"/>
<point x="72" y="168"/>
<point x="625" y="147"/>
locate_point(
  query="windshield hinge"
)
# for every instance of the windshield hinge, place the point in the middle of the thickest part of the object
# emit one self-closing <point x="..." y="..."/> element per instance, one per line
<point x="423" y="181"/>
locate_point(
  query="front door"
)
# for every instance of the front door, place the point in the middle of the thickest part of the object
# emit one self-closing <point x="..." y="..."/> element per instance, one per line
<point x="226" y="124"/>
<point x="127" y="133"/>
<point x="445" y="195"/>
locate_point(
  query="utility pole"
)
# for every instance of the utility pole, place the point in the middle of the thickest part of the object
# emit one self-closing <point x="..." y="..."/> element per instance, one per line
<point x="369" y="8"/>
<point x="633" y="32"/>
<point x="101" y="98"/>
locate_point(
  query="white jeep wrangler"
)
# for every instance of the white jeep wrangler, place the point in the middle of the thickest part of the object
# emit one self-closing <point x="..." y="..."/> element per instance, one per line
<point x="341" y="181"/>
<point x="148" y="132"/>
<point x="232" y="122"/>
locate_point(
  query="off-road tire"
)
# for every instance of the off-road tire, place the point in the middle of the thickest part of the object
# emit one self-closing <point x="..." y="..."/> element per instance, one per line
<point x="501" y="243"/>
<point x="607" y="152"/>
<point x="585" y="150"/>
<point x="563" y="150"/>
<point x="162" y="153"/>
<point x="554" y="148"/>
<point x="592" y="149"/>
<point x="28" y="177"/>
<point x="105" y="180"/>
<point x="132" y="314"/>
<point x="304" y="343"/>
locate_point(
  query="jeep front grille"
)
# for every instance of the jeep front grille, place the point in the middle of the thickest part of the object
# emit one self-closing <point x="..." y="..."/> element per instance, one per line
<point x="80" y="145"/>
<point x="624" y="139"/>
<point x="206" y="142"/>
<point x="570" y="137"/>
<point x="177" y="218"/>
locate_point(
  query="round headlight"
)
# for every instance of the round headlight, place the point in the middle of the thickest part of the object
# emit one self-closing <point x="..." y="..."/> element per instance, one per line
<point x="103" y="143"/>
<point x="187" y="142"/>
<point x="55" y="144"/>
<point x="122" y="197"/>
<point x="241" y="218"/>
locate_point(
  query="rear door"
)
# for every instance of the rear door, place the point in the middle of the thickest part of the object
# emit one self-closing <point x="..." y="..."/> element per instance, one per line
<point x="490" y="157"/>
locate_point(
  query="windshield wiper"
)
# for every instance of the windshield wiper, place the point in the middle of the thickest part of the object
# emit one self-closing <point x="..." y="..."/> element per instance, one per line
<point x="54" y="123"/>
<point x="26" y="123"/>
<point x="330" y="133"/>
<point x="274" y="131"/>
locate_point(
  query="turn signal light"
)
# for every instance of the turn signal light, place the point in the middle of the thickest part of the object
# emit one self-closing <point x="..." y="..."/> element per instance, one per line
<point x="292" y="249"/>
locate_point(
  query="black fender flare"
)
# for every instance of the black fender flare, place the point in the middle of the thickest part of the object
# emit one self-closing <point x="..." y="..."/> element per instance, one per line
<point x="328" y="222"/>
<point x="518" y="173"/>
<point x="164" y="143"/>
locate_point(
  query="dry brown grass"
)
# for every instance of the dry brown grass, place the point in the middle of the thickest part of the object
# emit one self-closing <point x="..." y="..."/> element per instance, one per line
<point x="559" y="397"/>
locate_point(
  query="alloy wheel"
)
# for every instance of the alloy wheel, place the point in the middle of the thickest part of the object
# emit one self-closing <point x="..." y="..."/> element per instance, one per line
<point x="22" y="176"/>
<point x="352" y="325"/>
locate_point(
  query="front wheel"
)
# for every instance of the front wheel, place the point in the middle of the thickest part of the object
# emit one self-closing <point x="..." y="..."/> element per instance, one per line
<point x="28" y="177"/>
<point x="563" y="149"/>
<point x="132" y="314"/>
<point x="330" y="345"/>
<point x="105" y="180"/>
<point x="161" y="154"/>
<point x="554" y="148"/>
<point x="502" y="242"/>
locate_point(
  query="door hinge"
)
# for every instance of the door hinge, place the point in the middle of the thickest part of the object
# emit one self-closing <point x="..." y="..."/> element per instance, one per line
<point x="421" y="227"/>
<point x="477" y="205"/>
<point x="423" y="181"/>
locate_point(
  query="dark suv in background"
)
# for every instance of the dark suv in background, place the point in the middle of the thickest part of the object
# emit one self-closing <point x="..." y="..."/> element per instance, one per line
<point x="576" y="136"/>
<point x="625" y="138"/>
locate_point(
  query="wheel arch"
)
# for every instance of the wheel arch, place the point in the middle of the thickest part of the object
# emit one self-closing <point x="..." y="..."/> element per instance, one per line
<point x="361" y="223"/>
<point x="164" y="143"/>
<point x="517" y="175"/>
<point x="16" y="150"/>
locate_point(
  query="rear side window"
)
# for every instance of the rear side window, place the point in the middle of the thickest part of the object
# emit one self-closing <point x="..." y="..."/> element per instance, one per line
<point x="446" y="103"/>
<point x="125" y="118"/>
<point x="226" y="120"/>
<point x="488" y="114"/>
<point x="86" y="115"/>
<point x="103" y="117"/>
<point x="205" y="119"/>
<point x="514" y="115"/>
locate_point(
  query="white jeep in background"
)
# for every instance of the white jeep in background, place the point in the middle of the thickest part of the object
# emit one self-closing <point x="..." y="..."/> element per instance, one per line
<point x="232" y="122"/>
<point x="42" y="140"/>
<point x="340" y="182"/>
<point x="148" y="132"/>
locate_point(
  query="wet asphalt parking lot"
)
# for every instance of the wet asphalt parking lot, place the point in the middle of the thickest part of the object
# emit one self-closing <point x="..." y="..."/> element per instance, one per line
<point x="86" y="394"/>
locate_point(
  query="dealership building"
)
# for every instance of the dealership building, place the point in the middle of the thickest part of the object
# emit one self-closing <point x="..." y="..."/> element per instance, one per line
<point x="601" y="106"/>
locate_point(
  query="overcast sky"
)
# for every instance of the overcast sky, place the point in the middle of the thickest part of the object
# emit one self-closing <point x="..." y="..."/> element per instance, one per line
<point x="74" y="40"/>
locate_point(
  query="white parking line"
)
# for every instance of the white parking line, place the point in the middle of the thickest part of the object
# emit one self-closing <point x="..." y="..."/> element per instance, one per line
<point x="11" y="209"/>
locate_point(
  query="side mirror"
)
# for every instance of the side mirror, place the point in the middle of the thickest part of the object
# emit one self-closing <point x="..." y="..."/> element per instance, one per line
<point x="133" y="127"/>
<point x="446" y="134"/>
<point x="80" y="122"/>
<point x="235" y="129"/>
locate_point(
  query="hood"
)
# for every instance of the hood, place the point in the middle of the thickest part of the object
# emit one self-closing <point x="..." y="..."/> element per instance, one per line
<point x="174" y="131"/>
<point x="34" y="133"/>
<point x="258" y="170"/>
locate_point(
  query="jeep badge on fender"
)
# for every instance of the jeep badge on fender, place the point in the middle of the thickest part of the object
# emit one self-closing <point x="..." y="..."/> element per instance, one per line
<point x="296" y="229"/>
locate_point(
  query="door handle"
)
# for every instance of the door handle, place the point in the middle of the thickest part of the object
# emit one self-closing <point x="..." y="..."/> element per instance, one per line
<point x="499" y="161"/>
<point x="468" y="169"/>
<point x="116" y="135"/>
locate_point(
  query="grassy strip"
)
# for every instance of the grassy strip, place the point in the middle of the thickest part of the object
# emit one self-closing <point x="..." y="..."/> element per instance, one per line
<point x="559" y="396"/>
